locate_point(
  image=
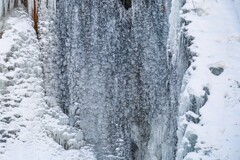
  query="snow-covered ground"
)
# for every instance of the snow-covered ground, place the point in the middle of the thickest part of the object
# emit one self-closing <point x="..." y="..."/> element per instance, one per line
<point x="32" y="127"/>
<point x="210" y="103"/>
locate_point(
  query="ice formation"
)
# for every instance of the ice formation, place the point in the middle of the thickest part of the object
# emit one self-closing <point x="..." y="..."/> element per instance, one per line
<point x="119" y="79"/>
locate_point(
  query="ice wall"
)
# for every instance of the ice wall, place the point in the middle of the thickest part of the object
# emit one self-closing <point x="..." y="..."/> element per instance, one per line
<point x="116" y="79"/>
<point x="116" y="71"/>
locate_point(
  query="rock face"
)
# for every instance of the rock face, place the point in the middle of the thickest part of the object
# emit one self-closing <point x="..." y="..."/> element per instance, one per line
<point x="114" y="77"/>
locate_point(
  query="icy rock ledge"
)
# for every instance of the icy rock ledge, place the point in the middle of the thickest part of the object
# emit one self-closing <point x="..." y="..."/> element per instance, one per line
<point x="189" y="111"/>
<point x="57" y="126"/>
<point x="191" y="100"/>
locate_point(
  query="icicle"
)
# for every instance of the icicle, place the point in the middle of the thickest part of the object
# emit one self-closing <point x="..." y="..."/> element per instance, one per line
<point x="52" y="5"/>
<point x="7" y="5"/>
<point x="30" y="7"/>
<point x="4" y="7"/>
<point x="1" y="8"/>
<point x="11" y="4"/>
<point x="55" y="5"/>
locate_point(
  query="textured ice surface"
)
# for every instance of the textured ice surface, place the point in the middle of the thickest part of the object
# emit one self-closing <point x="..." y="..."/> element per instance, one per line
<point x="114" y="77"/>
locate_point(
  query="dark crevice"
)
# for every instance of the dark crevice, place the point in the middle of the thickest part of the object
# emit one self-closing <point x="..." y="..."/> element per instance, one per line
<point x="134" y="150"/>
<point x="127" y="4"/>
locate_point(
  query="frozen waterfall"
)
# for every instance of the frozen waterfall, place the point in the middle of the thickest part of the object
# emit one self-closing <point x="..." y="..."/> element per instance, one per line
<point x="116" y="78"/>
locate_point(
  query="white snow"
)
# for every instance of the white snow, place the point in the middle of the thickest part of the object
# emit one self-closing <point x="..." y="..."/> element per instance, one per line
<point x="32" y="127"/>
<point x="215" y="25"/>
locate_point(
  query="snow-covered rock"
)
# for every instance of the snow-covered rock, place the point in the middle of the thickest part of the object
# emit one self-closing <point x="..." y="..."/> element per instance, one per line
<point x="211" y="129"/>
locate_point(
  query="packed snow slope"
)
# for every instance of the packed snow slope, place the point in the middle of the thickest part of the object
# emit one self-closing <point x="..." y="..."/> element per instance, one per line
<point x="31" y="128"/>
<point x="209" y="124"/>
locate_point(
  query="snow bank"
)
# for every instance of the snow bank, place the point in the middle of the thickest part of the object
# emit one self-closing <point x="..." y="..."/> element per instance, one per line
<point x="209" y="122"/>
<point x="30" y="123"/>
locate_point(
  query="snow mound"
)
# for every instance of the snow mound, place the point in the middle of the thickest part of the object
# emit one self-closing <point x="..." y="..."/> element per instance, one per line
<point x="209" y="123"/>
<point x="30" y="125"/>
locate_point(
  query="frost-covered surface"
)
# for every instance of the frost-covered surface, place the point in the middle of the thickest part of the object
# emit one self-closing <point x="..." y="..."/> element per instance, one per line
<point x="7" y="5"/>
<point x="209" y="124"/>
<point x="114" y="76"/>
<point x="30" y="123"/>
<point x="47" y="40"/>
